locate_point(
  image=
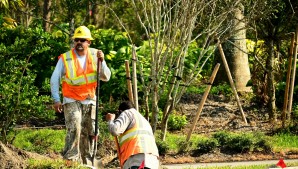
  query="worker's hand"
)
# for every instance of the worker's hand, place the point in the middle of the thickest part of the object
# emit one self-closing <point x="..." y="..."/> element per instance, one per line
<point x="58" y="107"/>
<point x="100" y="55"/>
<point x="110" y="117"/>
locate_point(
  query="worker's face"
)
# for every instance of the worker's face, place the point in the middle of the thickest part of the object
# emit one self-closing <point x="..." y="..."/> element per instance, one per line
<point x="81" y="44"/>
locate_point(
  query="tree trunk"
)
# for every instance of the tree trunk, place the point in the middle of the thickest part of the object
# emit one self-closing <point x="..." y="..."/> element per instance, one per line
<point x="237" y="58"/>
<point x="155" y="109"/>
<point x="95" y="17"/>
<point x="164" y="125"/>
<point x="46" y="15"/>
<point x="270" y="81"/>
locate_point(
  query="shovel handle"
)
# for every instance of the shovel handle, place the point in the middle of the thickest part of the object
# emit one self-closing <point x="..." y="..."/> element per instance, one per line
<point x="97" y="94"/>
<point x="96" y="110"/>
<point x="118" y="149"/>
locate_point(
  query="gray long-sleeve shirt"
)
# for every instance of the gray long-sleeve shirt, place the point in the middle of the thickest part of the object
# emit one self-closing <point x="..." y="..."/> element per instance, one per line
<point x="59" y="71"/>
<point x="125" y="121"/>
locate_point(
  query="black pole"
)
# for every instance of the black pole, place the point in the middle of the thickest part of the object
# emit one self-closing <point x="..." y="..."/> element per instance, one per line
<point x="96" y="109"/>
<point x="97" y="95"/>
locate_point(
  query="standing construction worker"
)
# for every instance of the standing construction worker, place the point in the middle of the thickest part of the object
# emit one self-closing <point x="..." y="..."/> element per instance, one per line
<point x="77" y="69"/>
<point x="137" y="147"/>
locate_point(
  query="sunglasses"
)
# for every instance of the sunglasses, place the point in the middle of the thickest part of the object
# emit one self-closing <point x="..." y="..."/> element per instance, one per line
<point x="81" y="40"/>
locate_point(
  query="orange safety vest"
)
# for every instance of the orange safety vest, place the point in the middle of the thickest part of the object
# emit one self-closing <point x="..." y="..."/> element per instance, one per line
<point x="79" y="83"/>
<point x="138" y="139"/>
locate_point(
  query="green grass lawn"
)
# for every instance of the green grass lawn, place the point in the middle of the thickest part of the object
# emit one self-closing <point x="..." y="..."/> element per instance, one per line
<point x="288" y="142"/>
<point x="40" y="141"/>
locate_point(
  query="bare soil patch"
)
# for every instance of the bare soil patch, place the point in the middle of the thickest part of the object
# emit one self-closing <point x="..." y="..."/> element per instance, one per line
<point x="11" y="157"/>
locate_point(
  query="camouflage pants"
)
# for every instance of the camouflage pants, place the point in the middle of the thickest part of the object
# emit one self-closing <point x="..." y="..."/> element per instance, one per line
<point x="80" y="123"/>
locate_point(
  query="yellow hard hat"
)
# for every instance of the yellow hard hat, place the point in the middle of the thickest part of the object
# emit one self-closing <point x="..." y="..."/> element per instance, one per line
<point x="82" y="32"/>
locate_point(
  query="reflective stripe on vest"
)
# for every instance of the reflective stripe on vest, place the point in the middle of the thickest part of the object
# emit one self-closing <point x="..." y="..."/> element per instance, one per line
<point x="72" y="78"/>
<point x="79" y="83"/>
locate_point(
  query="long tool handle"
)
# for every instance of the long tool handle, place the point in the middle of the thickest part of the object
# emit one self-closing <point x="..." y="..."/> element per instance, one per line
<point x="97" y="95"/>
<point x="118" y="149"/>
<point x="96" y="109"/>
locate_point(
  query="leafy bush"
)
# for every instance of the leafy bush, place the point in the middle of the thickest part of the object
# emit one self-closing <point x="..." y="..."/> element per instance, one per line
<point x="222" y="137"/>
<point x="184" y="146"/>
<point x="26" y="60"/>
<point x="177" y="122"/>
<point x="262" y="145"/>
<point x="242" y="142"/>
<point x="115" y="45"/>
<point x="205" y="146"/>
<point x="196" y="89"/>
<point x="224" y="89"/>
<point x="163" y="147"/>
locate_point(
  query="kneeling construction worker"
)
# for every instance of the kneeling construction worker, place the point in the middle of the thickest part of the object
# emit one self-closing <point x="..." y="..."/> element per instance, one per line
<point x="137" y="146"/>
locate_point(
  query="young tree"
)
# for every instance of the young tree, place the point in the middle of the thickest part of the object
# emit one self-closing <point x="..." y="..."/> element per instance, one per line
<point x="171" y="28"/>
<point x="273" y="30"/>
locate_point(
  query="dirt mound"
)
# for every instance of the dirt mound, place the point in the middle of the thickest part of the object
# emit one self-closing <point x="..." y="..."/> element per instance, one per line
<point x="11" y="157"/>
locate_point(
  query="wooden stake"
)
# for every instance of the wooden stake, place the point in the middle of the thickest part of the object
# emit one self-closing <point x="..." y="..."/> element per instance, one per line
<point x="201" y="105"/>
<point x="294" y="72"/>
<point x="289" y="72"/>
<point x="231" y="79"/>
<point x="134" y="77"/>
<point x="128" y="81"/>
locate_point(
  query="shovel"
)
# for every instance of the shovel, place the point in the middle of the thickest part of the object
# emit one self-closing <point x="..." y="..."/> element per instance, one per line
<point x="94" y="162"/>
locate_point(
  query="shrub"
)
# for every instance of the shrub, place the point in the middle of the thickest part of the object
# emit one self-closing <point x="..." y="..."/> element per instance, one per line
<point x="205" y="146"/>
<point x="184" y="146"/>
<point x="26" y="57"/>
<point x="163" y="147"/>
<point x="224" y="89"/>
<point x="222" y="137"/>
<point x="177" y="122"/>
<point x="262" y="145"/>
<point x="242" y="142"/>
